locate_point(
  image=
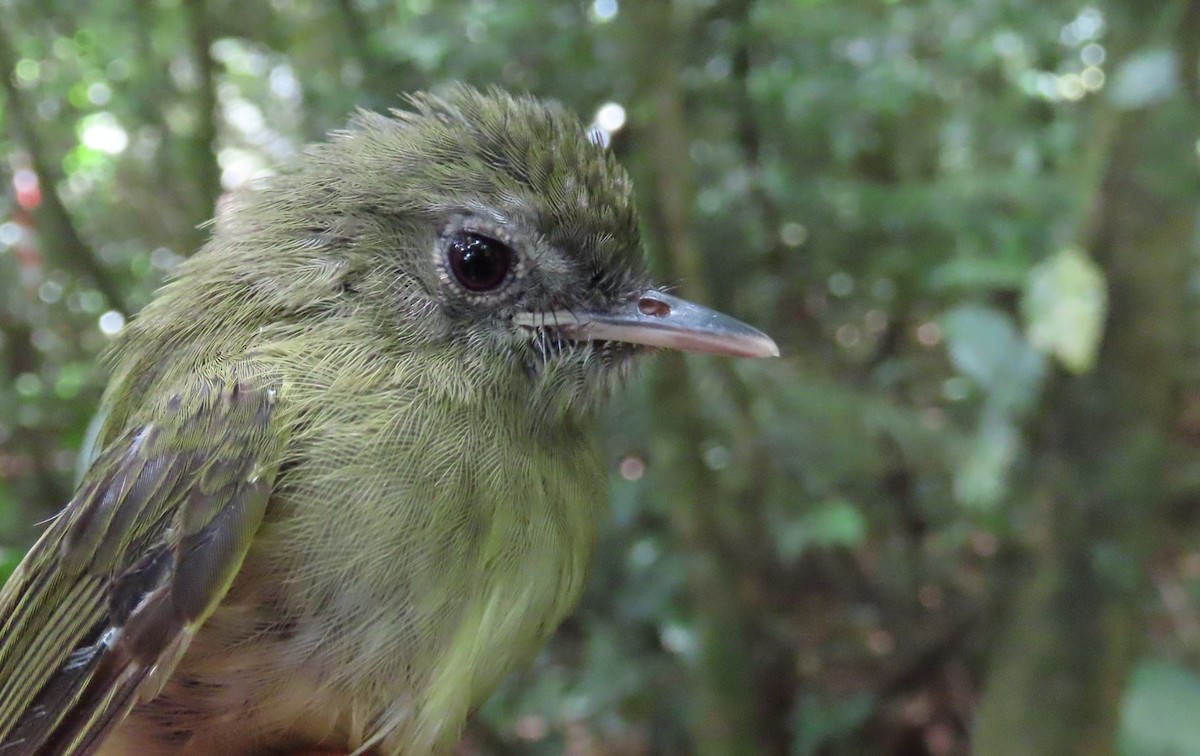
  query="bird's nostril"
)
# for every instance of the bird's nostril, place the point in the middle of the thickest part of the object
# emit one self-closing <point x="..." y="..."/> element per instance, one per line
<point x="654" y="308"/>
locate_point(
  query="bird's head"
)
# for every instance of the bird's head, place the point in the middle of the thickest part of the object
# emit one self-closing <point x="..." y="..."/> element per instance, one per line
<point x="485" y="224"/>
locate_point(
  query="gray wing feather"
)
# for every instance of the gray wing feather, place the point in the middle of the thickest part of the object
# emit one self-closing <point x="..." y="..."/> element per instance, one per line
<point x="106" y="602"/>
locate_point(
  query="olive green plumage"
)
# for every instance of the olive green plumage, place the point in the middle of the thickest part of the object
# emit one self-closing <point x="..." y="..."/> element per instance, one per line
<point x="345" y="480"/>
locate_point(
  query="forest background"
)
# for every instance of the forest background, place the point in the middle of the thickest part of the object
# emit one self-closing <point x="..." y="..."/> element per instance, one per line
<point x="961" y="514"/>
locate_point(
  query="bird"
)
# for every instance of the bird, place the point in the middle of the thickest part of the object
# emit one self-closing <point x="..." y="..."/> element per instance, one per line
<point x="346" y="477"/>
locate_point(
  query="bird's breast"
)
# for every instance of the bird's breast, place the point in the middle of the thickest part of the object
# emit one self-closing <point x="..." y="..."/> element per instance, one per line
<point x="414" y="554"/>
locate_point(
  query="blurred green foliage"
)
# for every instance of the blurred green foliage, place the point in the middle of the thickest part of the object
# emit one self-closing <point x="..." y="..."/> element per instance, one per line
<point x="959" y="514"/>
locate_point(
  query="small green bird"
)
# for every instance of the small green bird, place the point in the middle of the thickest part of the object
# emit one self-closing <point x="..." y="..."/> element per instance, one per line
<point x="346" y="480"/>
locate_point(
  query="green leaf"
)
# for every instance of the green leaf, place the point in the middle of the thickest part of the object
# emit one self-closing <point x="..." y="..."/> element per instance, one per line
<point x="981" y="480"/>
<point x="1145" y="78"/>
<point x="822" y="720"/>
<point x="833" y="523"/>
<point x="1158" y="715"/>
<point x="978" y="274"/>
<point x="985" y="345"/>
<point x="1064" y="305"/>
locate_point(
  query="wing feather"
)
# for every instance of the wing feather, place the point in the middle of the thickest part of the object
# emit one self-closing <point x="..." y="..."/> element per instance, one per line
<point x="107" y="600"/>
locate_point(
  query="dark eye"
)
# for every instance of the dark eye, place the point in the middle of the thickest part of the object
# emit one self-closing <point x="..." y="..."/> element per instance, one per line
<point x="480" y="263"/>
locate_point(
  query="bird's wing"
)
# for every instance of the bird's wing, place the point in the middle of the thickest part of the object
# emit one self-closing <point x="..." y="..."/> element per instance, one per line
<point x="96" y="616"/>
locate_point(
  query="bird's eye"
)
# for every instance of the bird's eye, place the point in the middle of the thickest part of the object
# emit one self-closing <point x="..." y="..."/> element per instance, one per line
<point x="480" y="263"/>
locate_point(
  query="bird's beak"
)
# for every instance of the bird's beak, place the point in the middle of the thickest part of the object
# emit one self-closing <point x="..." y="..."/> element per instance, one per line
<point x="656" y="319"/>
